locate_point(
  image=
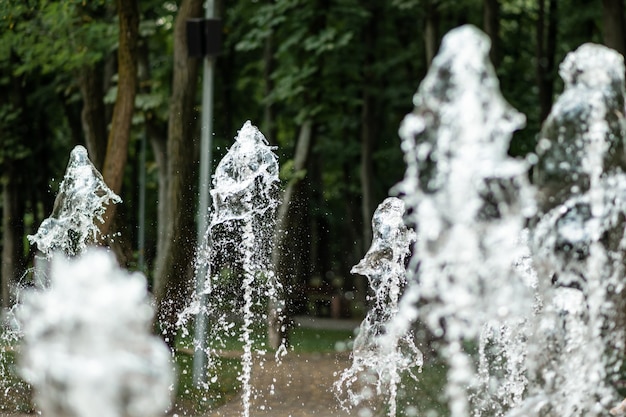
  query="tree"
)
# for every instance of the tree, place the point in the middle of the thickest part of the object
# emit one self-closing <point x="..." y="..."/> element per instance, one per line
<point x="546" y="53"/>
<point x="339" y="72"/>
<point x="491" y="25"/>
<point x="175" y="259"/>
<point x="119" y="135"/>
<point x="289" y="229"/>
<point x="613" y="25"/>
<point x="368" y="123"/>
<point x="37" y="58"/>
<point x="431" y="29"/>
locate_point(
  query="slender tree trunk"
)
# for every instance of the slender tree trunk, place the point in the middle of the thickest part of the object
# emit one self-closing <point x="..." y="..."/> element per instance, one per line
<point x="551" y="45"/>
<point x="540" y="57"/>
<point x="491" y="24"/>
<point x="367" y="166"/>
<point x="109" y="70"/>
<point x="546" y="50"/>
<point x="288" y="223"/>
<point x="268" y="109"/>
<point x="175" y="261"/>
<point x="431" y="31"/>
<point x="613" y="25"/>
<point x="158" y="142"/>
<point x="13" y="187"/>
<point x="119" y="136"/>
<point x="12" y="232"/>
<point x="93" y="113"/>
<point x="156" y="133"/>
<point x="367" y="129"/>
<point x="72" y="113"/>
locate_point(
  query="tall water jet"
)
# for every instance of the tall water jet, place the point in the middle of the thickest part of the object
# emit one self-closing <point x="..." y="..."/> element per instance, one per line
<point x="376" y="372"/>
<point x="469" y="202"/>
<point x="87" y="344"/>
<point x="578" y="242"/>
<point x="80" y="203"/>
<point x="236" y="252"/>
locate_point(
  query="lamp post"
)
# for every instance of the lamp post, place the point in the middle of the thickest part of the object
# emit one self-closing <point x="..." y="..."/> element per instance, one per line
<point x="204" y="40"/>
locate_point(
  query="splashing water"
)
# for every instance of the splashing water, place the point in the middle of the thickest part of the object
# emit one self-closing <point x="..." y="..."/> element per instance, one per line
<point x="469" y="202"/>
<point x="532" y="276"/>
<point x="544" y="304"/>
<point x="239" y="238"/>
<point x="81" y="202"/>
<point x="384" y="266"/>
<point x="87" y="345"/>
<point x="578" y="243"/>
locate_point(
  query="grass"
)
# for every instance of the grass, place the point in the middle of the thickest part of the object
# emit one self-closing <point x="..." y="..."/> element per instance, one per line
<point x="16" y="394"/>
<point x="301" y="340"/>
<point x="306" y="340"/>
<point x="191" y="399"/>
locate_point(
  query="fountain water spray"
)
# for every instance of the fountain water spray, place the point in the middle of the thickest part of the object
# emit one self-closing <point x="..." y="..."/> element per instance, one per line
<point x="544" y="304"/>
<point x="80" y="202"/>
<point x="87" y="343"/>
<point x="239" y="237"/>
<point x="469" y="202"/>
<point x="384" y="266"/>
<point x="578" y="242"/>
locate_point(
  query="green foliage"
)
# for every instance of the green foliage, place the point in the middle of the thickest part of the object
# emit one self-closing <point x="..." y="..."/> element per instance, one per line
<point x="56" y="35"/>
<point x="288" y="172"/>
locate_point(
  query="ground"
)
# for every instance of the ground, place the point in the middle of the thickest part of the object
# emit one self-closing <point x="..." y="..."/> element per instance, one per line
<point x="299" y="385"/>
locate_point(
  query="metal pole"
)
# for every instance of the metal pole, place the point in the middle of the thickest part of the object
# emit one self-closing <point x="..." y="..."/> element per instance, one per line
<point x="199" y="357"/>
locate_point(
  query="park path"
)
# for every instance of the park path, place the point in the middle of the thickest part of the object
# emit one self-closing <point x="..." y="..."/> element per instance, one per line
<point x="299" y="385"/>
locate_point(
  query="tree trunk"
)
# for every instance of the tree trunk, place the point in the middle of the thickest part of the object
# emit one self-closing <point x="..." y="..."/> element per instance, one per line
<point x="431" y="31"/>
<point x="546" y="49"/>
<point x="491" y="24"/>
<point x="367" y="167"/>
<point x="156" y="133"/>
<point x="268" y="110"/>
<point x="175" y="261"/>
<point x="158" y="141"/>
<point x="286" y="235"/>
<point x="367" y="130"/>
<point x="72" y="113"/>
<point x="119" y="136"/>
<point x="12" y="233"/>
<point x="93" y="113"/>
<point x="551" y="46"/>
<point x="613" y="25"/>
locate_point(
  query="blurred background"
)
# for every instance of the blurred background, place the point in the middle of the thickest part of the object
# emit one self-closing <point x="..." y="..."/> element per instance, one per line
<point x="327" y="82"/>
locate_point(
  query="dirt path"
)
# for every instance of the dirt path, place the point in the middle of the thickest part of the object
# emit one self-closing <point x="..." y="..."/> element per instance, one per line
<point x="300" y="386"/>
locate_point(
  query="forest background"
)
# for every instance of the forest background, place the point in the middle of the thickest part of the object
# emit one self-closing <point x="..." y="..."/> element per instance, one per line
<point x="327" y="81"/>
